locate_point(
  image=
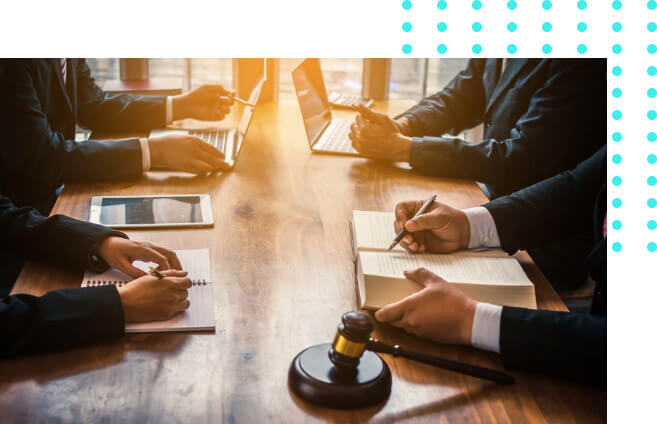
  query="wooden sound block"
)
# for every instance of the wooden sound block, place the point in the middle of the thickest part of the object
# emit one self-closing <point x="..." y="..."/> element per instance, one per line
<point x="313" y="377"/>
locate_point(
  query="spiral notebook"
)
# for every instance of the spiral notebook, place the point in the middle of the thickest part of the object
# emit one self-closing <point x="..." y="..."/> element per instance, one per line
<point x="199" y="316"/>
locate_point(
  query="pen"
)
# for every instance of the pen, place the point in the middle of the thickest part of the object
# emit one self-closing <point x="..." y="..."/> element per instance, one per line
<point x="237" y="99"/>
<point x="155" y="273"/>
<point x="427" y="203"/>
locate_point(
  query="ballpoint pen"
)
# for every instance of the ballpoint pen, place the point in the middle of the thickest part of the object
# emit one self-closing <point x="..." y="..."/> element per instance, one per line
<point x="420" y="211"/>
<point x="155" y="273"/>
<point x="237" y="99"/>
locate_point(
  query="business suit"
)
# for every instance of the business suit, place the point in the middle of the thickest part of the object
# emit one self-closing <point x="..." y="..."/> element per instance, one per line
<point x="61" y="318"/>
<point x="540" y="116"/>
<point x="572" y="345"/>
<point x="39" y="114"/>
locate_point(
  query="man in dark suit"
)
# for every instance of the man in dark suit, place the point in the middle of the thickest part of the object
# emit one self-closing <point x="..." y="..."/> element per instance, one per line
<point x="540" y="117"/>
<point x="558" y="343"/>
<point x="42" y="101"/>
<point x="74" y="317"/>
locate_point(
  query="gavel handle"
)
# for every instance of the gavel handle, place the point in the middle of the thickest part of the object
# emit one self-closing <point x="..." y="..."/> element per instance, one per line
<point x="448" y="364"/>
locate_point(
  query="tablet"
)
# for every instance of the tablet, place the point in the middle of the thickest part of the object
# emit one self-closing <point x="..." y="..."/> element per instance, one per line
<point x="162" y="210"/>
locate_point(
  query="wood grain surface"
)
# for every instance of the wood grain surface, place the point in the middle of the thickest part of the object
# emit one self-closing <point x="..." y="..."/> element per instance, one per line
<point x="283" y="275"/>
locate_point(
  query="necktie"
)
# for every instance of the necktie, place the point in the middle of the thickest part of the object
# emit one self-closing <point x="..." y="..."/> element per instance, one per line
<point x="62" y="67"/>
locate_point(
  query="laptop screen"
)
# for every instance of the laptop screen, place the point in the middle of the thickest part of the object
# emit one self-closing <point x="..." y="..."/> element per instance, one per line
<point x="247" y="112"/>
<point x="313" y="101"/>
<point x="247" y="115"/>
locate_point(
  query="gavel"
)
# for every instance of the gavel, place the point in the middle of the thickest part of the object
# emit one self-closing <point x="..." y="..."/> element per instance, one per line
<point x="353" y="338"/>
<point x="348" y="373"/>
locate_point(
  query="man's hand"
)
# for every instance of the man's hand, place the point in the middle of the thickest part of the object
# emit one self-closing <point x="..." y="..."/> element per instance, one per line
<point x="442" y="229"/>
<point x="206" y="103"/>
<point x="187" y="153"/>
<point x="377" y="136"/>
<point x="151" y="299"/>
<point x="119" y="253"/>
<point x="439" y="312"/>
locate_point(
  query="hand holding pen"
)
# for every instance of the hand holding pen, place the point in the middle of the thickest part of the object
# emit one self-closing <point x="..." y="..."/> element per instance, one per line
<point x="238" y="100"/>
<point x="437" y="228"/>
<point x="403" y="232"/>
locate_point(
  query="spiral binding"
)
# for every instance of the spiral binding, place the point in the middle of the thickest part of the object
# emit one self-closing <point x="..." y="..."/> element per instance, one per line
<point x="121" y="283"/>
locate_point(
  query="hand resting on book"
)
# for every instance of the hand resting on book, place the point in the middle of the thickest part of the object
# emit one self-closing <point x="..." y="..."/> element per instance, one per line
<point x="439" y="312"/>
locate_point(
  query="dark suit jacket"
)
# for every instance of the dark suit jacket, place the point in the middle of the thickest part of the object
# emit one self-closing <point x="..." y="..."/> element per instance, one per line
<point x="37" y="129"/>
<point x="61" y="318"/>
<point x="572" y="345"/>
<point x="544" y="116"/>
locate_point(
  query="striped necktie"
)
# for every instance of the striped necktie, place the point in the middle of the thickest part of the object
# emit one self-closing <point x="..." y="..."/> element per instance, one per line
<point x="62" y="68"/>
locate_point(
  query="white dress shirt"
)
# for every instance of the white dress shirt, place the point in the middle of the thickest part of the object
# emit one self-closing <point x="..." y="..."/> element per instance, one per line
<point x="145" y="150"/>
<point x="487" y="319"/>
<point x="483" y="233"/>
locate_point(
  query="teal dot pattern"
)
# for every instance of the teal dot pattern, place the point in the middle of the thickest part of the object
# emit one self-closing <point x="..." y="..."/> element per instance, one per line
<point x="573" y="29"/>
<point x="528" y="28"/>
<point x="651" y="137"/>
<point x="614" y="149"/>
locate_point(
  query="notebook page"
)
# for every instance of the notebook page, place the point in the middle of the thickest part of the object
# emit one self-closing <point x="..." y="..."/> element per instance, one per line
<point x="455" y="268"/>
<point x="193" y="261"/>
<point x="199" y="316"/>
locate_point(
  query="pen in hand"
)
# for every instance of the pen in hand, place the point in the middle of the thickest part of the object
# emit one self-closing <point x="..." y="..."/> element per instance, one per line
<point x="426" y="205"/>
<point x="237" y="99"/>
<point x="155" y="273"/>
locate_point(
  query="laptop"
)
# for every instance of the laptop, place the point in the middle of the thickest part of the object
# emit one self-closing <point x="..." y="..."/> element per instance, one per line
<point x="325" y="134"/>
<point x="227" y="141"/>
<point x="346" y="101"/>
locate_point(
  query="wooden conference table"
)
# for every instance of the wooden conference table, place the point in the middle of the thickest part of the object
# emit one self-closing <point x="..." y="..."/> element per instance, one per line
<point x="283" y="272"/>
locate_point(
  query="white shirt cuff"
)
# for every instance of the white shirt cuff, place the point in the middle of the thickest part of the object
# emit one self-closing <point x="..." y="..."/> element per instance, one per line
<point x="169" y="110"/>
<point x="145" y="155"/>
<point x="483" y="232"/>
<point x="486" y="327"/>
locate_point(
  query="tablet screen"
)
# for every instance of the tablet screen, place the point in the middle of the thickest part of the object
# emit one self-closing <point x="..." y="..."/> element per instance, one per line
<point x="150" y="210"/>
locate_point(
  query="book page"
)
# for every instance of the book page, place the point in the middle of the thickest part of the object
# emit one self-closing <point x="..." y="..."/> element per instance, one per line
<point x="453" y="268"/>
<point x="374" y="230"/>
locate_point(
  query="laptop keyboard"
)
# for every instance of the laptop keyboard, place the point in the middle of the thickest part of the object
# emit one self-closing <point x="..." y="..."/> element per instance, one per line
<point x="337" y="137"/>
<point x="218" y="139"/>
<point x="344" y="100"/>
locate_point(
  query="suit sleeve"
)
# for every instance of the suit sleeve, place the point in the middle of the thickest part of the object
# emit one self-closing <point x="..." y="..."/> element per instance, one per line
<point x="460" y="105"/>
<point x="59" y="319"/>
<point x="551" y="209"/>
<point x="58" y="239"/>
<point x="555" y="343"/>
<point x="34" y="151"/>
<point x="102" y="111"/>
<point x="535" y="145"/>
<point x="62" y="318"/>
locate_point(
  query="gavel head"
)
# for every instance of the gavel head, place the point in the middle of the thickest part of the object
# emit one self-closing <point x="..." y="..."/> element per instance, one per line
<point x="350" y="340"/>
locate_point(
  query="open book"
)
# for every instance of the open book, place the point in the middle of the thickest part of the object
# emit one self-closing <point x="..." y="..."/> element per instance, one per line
<point x="199" y="316"/>
<point x="487" y="276"/>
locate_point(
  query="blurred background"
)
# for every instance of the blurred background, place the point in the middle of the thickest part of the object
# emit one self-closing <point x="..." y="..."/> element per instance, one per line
<point x="404" y="78"/>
